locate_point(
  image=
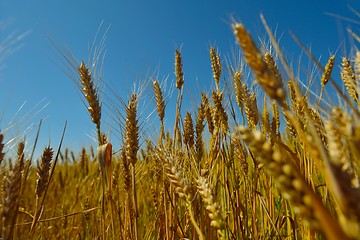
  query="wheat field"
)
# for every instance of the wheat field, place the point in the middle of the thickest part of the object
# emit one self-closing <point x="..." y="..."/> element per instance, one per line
<point x="261" y="157"/>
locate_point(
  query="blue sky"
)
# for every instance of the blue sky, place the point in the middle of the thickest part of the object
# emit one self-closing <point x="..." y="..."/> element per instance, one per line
<point x="141" y="41"/>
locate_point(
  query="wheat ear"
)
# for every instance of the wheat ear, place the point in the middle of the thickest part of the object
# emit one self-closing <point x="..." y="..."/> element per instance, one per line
<point x="216" y="67"/>
<point x="265" y="77"/>
<point x="292" y="184"/>
<point x="348" y="76"/>
<point x="43" y="172"/>
<point x="181" y="185"/>
<point x="213" y="208"/>
<point x="160" y="105"/>
<point x="91" y="95"/>
<point x="188" y="130"/>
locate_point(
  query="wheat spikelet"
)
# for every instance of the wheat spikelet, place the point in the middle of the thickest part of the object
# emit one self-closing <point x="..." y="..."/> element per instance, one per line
<point x="160" y="103"/>
<point x="199" y="129"/>
<point x="328" y="69"/>
<point x="357" y="65"/>
<point x="43" y="171"/>
<point x="275" y="123"/>
<point x="265" y="77"/>
<point x="84" y="161"/>
<point x="188" y="130"/>
<point x="178" y="70"/>
<point x="125" y="171"/>
<point x="349" y="79"/>
<point x="91" y="95"/>
<point x="103" y="138"/>
<point x="240" y="91"/>
<point x="240" y="154"/>
<point x="20" y="154"/>
<point x="132" y="130"/>
<point x="251" y="110"/>
<point x="215" y="215"/>
<point x="116" y="175"/>
<point x="315" y="117"/>
<point x="294" y="99"/>
<point x="220" y="117"/>
<point x="216" y="66"/>
<point x="272" y="66"/>
<point x="180" y="183"/>
<point x="207" y="112"/>
<point x="265" y="119"/>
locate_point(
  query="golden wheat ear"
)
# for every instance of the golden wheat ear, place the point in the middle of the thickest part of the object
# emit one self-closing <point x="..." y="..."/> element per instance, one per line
<point x="91" y="96"/>
<point x="160" y="106"/>
<point x="213" y="208"/>
<point x="292" y="184"/>
<point x="349" y="78"/>
<point x="253" y="57"/>
<point x="43" y="172"/>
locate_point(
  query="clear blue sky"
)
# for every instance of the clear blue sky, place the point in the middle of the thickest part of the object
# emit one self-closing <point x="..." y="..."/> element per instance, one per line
<point x="141" y="40"/>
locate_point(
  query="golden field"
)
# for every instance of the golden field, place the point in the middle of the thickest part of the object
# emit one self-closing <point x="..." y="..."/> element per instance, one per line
<point x="254" y="161"/>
